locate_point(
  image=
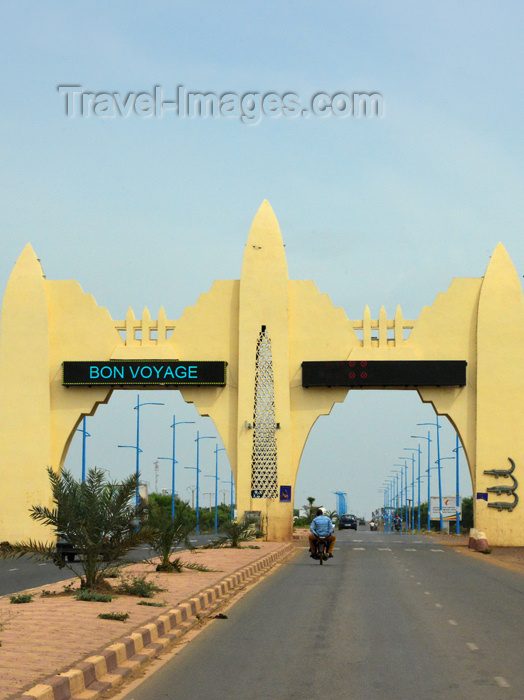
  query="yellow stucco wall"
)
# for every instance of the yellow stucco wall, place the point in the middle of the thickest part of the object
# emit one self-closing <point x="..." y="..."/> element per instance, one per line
<point x="46" y="322"/>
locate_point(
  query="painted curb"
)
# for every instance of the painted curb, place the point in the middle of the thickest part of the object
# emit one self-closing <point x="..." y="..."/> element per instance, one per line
<point x="98" y="673"/>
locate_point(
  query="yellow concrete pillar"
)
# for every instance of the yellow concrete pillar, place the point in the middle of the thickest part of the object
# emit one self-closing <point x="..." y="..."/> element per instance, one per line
<point x="25" y="407"/>
<point x="500" y="397"/>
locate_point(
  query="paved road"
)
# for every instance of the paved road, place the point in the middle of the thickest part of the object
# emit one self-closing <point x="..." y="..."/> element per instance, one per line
<point x="391" y="616"/>
<point x="21" y="574"/>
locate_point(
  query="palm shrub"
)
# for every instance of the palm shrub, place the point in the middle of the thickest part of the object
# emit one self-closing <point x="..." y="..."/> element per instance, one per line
<point x="97" y="517"/>
<point x="165" y="533"/>
<point x="245" y="530"/>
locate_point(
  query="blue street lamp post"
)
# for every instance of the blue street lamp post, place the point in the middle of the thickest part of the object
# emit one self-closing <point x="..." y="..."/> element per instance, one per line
<point x="231" y="482"/>
<point x="457" y="513"/>
<point x="389" y="486"/>
<point x="414" y="449"/>
<point x="404" y="479"/>
<point x="439" y="477"/>
<point x="428" y="438"/>
<point x="457" y="504"/>
<point x="137" y="446"/>
<point x="85" y="435"/>
<point x="198" y="470"/>
<point x="174" y="461"/>
<point x="215" y="477"/>
<point x="401" y="472"/>
<point x="418" y="450"/>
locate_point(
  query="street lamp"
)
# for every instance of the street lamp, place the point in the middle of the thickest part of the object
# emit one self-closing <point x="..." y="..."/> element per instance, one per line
<point x="85" y="435"/>
<point x="405" y="466"/>
<point x="231" y="501"/>
<point x="439" y="475"/>
<point x="419" y="451"/>
<point x="215" y="477"/>
<point x="389" y="485"/>
<point x="457" y="505"/>
<point x="457" y="494"/>
<point x="428" y="438"/>
<point x="137" y="446"/>
<point x="198" y="470"/>
<point x="414" y="449"/>
<point x="401" y="472"/>
<point x="174" y="461"/>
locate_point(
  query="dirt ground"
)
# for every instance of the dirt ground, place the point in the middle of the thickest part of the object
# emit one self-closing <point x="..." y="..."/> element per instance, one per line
<point x="508" y="557"/>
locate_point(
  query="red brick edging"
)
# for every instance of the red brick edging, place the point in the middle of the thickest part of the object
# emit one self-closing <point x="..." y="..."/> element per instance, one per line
<point x="107" y="669"/>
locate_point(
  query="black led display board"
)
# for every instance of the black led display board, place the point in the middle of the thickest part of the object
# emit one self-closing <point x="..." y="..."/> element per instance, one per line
<point x="384" y="373"/>
<point x="143" y="373"/>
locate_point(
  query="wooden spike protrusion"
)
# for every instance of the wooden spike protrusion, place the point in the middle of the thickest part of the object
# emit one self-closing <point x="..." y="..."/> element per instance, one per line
<point x="382" y="328"/>
<point x="399" y="330"/>
<point x="162" y="319"/>
<point x="130" y="327"/>
<point x="146" y="327"/>
<point x="366" y="326"/>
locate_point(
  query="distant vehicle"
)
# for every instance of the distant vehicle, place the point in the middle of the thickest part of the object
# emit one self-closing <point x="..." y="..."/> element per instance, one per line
<point x="65" y="550"/>
<point x="347" y="522"/>
<point x="373" y="525"/>
<point x="362" y="521"/>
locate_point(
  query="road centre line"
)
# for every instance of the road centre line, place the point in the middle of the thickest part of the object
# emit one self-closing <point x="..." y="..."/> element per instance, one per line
<point x="471" y="646"/>
<point x="438" y="605"/>
<point x="384" y="549"/>
<point x="453" y="622"/>
<point x="436" y="550"/>
<point x="359" y="549"/>
<point x="13" y="569"/>
<point x="410" y="550"/>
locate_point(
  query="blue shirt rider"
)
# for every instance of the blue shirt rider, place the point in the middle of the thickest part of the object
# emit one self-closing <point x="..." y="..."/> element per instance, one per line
<point x="321" y="526"/>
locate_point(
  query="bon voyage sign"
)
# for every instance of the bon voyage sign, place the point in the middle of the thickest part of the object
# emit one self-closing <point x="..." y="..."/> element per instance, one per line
<point x="144" y="373"/>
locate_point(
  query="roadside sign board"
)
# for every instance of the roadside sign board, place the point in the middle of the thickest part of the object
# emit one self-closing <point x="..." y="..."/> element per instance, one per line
<point x="449" y="508"/>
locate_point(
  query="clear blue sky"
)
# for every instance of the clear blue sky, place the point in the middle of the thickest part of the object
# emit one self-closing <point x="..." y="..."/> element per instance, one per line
<point x="149" y="211"/>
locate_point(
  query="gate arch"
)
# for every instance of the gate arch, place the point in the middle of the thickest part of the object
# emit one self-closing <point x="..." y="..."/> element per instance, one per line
<point x="265" y="326"/>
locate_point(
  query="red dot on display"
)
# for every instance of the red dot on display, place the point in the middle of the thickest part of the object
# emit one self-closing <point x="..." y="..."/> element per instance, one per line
<point x="363" y="363"/>
<point x="352" y="363"/>
<point x="363" y="375"/>
<point x="352" y="375"/>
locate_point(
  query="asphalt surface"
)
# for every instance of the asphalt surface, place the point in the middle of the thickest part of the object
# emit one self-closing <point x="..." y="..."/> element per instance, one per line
<point x="392" y="616"/>
<point x="21" y="574"/>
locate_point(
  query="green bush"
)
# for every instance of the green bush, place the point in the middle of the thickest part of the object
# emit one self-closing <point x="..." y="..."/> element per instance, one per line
<point x="21" y="598"/>
<point x="138" y="586"/>
<point x="91" y="596"/>
<point x="121" y="617"/>
<point x="153" y="605"/>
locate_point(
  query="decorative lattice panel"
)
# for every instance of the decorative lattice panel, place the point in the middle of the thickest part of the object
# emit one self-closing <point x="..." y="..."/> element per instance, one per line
<point x="264" y="453"/>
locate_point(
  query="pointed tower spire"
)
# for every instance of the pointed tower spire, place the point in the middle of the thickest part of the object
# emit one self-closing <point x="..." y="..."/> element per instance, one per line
<point x="264" y="247"/>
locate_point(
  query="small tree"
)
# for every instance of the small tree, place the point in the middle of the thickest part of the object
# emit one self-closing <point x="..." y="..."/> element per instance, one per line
<point x="310" y="508"/>
<point x="165" y="533"/>
<point x="96" y="518"/>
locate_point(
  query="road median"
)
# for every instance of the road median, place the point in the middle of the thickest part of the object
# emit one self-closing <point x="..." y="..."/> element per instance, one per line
<point x="56" y="648"/>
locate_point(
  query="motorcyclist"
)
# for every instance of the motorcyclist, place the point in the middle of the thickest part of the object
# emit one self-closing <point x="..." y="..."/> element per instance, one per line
<point x="321" y="526"/>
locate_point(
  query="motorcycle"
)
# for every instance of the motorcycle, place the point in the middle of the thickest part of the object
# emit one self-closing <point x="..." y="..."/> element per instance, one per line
<point x="321" y="550"/>
<point x="398" y="526"/>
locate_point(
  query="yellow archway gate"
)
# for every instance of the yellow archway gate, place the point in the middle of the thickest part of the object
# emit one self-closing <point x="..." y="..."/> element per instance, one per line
<point x="290" y="356"/>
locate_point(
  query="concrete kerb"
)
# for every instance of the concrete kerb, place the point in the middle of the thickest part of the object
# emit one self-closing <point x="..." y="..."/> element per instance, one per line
<point x="98" y="673"/>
